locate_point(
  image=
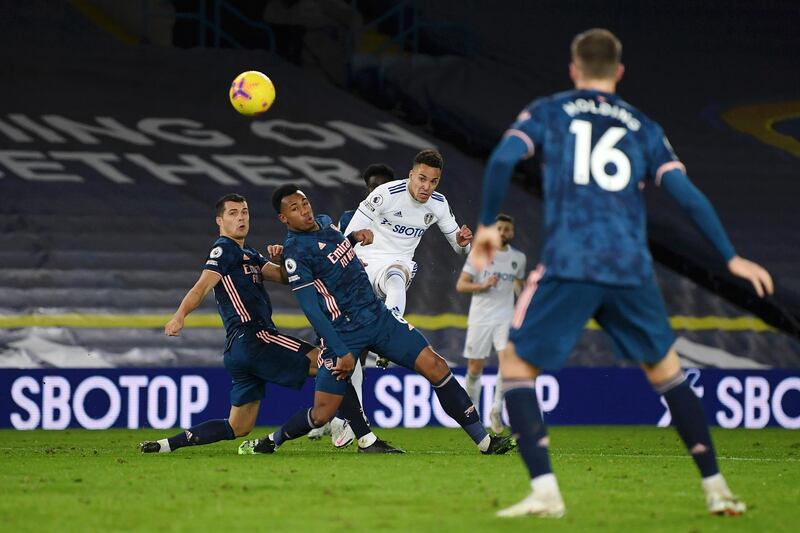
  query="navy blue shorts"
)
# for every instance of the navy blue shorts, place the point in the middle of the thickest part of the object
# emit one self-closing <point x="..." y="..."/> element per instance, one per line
<point x="390" y="335"/>
<point x="551" y="314"/>
<point x="256" y="356"/>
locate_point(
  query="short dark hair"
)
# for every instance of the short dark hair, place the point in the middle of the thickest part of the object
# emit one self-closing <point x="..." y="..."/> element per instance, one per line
<point x="429" y="157"/>
<point x="502" y="217"/>
<point x="282" y="192"/>
<point x="377" y="169"/>
<point x="597" y="52"/>
<point x="230" y="197"/>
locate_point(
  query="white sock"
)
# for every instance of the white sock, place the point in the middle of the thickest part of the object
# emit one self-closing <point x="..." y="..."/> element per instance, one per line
<point x="497" y="404"/>
<point x="396" y="291"/>
<point x="545" y="484"/>
<point x="164" y="446"/>
<point x="715" y="483"/>
<point x="473" y="387"/>
<point x="484" y="444"/>
<point x="357" y="379"/>
<point x="367" y="440"/>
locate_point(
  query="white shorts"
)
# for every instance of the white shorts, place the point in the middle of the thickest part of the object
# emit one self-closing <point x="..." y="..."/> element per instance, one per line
<point x="481" y="338"/>
<point x="377" y="270"/>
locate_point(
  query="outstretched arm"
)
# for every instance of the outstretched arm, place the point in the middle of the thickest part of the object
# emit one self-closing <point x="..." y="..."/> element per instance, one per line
<point x="466" y="284"/>
<point x="208" y="279"/>
<point x="695" y="204"/>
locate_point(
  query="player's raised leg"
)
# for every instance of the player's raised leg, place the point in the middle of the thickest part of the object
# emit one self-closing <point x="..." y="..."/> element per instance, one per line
<point x="395" y="287"/>
<point x="689" y="420"/>
<point x="527" y="426"/>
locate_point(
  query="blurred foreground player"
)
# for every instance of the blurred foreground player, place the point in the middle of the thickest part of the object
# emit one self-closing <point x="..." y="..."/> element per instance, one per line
<point x="337" y="298"/>
<point x="597" y="151"/>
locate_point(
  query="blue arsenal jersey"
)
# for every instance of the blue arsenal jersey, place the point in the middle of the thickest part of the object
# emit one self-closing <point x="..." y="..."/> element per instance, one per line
<point x="240" y="294"/>
<point x="327" y="260"/>
<point x="597" y="151"/>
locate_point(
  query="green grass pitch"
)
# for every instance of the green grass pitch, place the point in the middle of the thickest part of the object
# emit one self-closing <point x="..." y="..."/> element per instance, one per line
<point x="612" y="478"/>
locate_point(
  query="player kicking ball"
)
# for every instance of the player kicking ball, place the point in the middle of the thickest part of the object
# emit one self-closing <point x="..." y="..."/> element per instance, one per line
<point x="399" y="213"/>
<point x="334" y="292"/>
<point x="598" y="152"/>
<point x="490" y="312"/>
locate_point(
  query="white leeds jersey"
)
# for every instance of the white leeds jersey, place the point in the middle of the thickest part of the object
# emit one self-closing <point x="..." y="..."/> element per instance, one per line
<point x="496" y="306"/>
<point x="398" y="222"/>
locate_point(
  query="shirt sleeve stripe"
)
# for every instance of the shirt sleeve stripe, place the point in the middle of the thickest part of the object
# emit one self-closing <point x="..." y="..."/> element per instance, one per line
<point x="302" y="286"/>
<point x="524" y="138"/>
<point x="666" y="167"/>
<point x="365" y="214"/>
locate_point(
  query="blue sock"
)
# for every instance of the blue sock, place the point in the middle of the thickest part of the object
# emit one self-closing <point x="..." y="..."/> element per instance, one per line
<point x="456" y="403"/>
<point x="205" y="433"/>
<point x="689" y="419"/>
<point x="527" y="425"/>
<point x="297" y="426"/>
<point x="351" y="410"/>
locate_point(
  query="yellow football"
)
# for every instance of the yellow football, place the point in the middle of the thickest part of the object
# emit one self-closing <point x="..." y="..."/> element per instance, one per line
<point x="252" y="93"/>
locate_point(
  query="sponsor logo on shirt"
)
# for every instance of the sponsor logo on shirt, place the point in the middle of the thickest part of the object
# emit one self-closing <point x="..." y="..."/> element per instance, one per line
<point x="343" y="254"/>
<point x="408" y="231"/>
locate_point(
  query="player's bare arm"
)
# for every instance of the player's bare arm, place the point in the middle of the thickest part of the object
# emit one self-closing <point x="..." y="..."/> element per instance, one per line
<point x="467" y="285"/>
<point x="695" y="204"/>
<point x="208" y="279"/>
